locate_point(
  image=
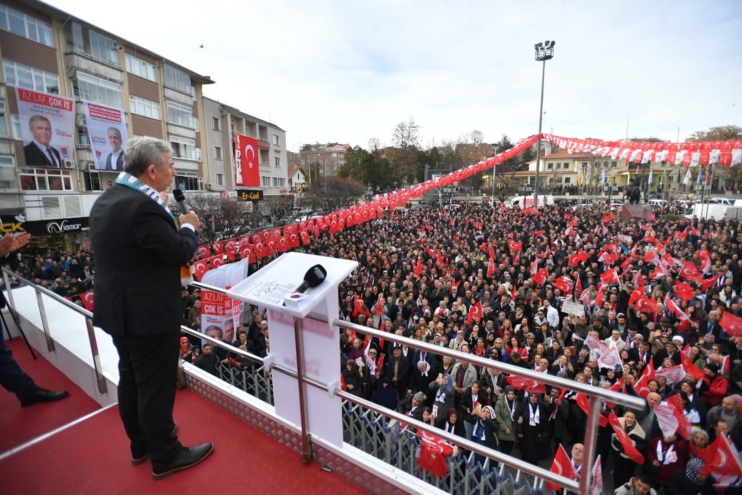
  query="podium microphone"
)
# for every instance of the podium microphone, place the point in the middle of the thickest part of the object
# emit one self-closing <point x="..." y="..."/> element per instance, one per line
<point x="180" y="199"/>
<point x="314" y="276"/>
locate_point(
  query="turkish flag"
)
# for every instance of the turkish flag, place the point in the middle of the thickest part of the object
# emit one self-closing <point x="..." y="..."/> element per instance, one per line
<point x="87" y="299"/>
<point x="530" y="386"/>
<point x="597" y="485"/>
<point x="564" y="284"/>
<point x="304" y="237"/>
<point x="247" y="160"/>
<point x="490" y="268"/>
<point x="685" y="428"/>
<point x="666" y="418"/>
<point x="515" y="246"/>
<point x="433" y="454"/>
<point x="609" y="278"/>
<point x="623" y="438"/>
<point x="731" y="324"/>
<point x="690" y="272"/>
<point x="585" y="406"/>
<point x="574" y="260"/>
<point x="540" y="277"/>
<point x="204" y="251"/>
<point x="721" y="459"/>
<point x="216" y="261"/>
<point x="708" y="282"/>
<point x="200" y="267"/>
<point x="683" y="290"/>
<point x="474" y="312"/>
<point x="645" y="305"/>
<point x="689" y="366"/>
<point x="641" y="386"/>
<point x="218" y="248"/>
<point x="562" y="465"/>
<point x="246" y="251"/>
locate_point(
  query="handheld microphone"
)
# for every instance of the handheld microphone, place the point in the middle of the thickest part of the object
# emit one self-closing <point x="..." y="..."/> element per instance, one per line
<point x="180" y="199"/>
<point x="314" y="276"/>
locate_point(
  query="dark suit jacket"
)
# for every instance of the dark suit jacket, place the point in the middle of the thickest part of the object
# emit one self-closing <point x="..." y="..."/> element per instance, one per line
<point x="34" y="156"/>
<point x="138" y="255"/>
<point x="119" y="162"/>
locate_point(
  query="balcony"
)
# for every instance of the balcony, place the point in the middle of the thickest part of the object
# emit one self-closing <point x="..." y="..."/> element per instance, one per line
<point x="175" y="95"/>
<point x="78" y="60"/>
<point x="264" y="144"/>
<point x="180" y="130"/>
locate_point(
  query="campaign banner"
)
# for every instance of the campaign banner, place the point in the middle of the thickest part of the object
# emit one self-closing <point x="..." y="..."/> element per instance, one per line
<point x="217" y="319"/>
<point x="107" y="135"/>
<point x="247" y="161"/>
<point x="47" y="128"/>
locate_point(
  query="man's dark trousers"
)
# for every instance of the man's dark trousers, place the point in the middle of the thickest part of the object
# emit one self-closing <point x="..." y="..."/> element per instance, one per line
<point x="148" y="371"/>
<point x="12" y="377"/>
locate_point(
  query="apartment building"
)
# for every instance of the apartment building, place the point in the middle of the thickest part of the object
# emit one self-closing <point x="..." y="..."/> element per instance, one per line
<point x="329" y="156"/>
<point x="91" y="91"/>
<point x="223" y="123"/>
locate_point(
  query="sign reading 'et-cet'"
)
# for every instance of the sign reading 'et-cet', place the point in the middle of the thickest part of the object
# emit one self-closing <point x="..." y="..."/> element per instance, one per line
<point x="250" y="195"/>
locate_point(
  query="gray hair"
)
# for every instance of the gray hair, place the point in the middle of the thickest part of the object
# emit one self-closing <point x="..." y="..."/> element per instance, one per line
<point x="116" y="130"/>
<point x="141" y="152"/>
<point x="34" y="118"/>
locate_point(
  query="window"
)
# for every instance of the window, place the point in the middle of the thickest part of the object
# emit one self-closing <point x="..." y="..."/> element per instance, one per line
<point x="97" y="90"/>
<point x="92" y="181"/>
<point x="7" y="173"/>
<point x="279" y="182"/>
<point x="3" y="121"/>
<point x="104" y="49"/>
<point x="266" y="181"/>
<point x="181" y="115"/>
<point x="550" y="166"/>
<point x="614" y="164"/>
<point x="276" y="139"/>
<point x="192" y="91"/>
<point x="187" y="182"/>
<point x="15" y="124"/>
<point x="141" y="68"/>
<point x="177" y="79"/>
<point x="23" y="76"/>
<point x="218" y="152"/>
<point x="215" y="123"/>
<point x="26" y="26"/>
<point x="567" y="180"/>
<point x="141" y="106"/>
<point x="278" y="162"/>
<point x="185" y="148"/>
<point x="40" y="179"/>
<point x="219" y="179"/>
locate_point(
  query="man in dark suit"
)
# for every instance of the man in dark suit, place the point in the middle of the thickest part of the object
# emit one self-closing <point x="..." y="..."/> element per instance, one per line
<point x="39" y="152"/>
<point x="115" y="159"/>
<point x="139" y="253"/>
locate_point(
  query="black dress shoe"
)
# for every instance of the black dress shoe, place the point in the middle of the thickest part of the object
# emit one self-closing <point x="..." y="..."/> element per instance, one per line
<point x="43" y="395"/>
<point x="140" y="457"/>
<point x="187" y="458"/>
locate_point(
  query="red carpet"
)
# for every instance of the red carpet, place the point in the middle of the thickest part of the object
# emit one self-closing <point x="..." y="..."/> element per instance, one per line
<point x="93" y="457"/>
<point x="19" y="425"/>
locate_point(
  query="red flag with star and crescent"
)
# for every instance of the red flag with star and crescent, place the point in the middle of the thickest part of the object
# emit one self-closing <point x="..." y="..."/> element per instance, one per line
<point x="562" y="465"/>
<point x="247" y="160"/>
<point x="623" y="438"/>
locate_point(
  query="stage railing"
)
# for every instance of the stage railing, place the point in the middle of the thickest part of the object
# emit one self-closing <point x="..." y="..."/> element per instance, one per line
<point x="595" y="396"/>
<point x="8" y="275"/>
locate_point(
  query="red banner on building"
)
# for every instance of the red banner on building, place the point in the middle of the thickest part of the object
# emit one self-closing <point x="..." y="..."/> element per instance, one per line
<point x="247" y="160"/>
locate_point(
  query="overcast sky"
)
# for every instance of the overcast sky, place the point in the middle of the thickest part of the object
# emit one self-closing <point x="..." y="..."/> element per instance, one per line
<point x="348" y="71"/>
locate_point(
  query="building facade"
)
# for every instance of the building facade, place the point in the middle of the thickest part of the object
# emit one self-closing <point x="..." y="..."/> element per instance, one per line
<point x="61" y="64"/>
<point x="222" y="122"/>
<point x="329" y="156"/>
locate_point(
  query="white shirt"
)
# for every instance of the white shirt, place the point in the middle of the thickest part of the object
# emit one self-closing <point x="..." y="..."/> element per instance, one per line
<point x="48" y="153"/>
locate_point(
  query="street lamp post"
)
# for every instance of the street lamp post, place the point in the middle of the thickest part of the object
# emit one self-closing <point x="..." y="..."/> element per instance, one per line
<point x="544" y="52"/>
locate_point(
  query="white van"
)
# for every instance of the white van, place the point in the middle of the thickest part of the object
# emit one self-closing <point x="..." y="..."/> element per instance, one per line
<point x="715" y="211"/>
<point x="527" y="201"/>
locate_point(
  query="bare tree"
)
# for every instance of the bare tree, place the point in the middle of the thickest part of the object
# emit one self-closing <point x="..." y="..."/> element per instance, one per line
<point x="221" y="218"/>
<point x="333" y="194"/>
<point x="406" y="134"/>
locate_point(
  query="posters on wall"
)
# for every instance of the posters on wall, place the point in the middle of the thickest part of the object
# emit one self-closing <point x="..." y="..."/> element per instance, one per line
<point x="107" y="135"/>
<point x="247" y="161"/>
<point x="47" y="128"/>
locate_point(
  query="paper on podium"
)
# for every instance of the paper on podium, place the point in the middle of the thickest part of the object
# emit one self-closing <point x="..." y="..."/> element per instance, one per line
<point x="272" y="285"/>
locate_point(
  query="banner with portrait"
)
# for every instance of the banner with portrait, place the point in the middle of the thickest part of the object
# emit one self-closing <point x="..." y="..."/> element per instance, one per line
<point x="47" y="128"/>
<point x="217" y="316"/>
<point x="107" y="135"/>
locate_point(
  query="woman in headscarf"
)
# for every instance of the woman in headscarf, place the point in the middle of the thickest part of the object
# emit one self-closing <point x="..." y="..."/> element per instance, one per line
<point x="693" y="480"/>
<point x="445" y="395"/>
<point x="623" y="467"/>
<point x="452" y="424"/>
<point x="186" y="353"/>
<point x="469" y="400"/>
<point x="485" y="431"/>
<point x="505" y="411"/>
<point x="531" y="428"/>
<point x="352" y="378"/>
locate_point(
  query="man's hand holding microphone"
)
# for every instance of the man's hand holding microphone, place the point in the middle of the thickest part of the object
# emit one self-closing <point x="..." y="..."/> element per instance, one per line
<point x="188" y="217"/>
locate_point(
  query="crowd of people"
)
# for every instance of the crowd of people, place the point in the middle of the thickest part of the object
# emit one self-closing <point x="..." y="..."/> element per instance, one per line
<point x="493" y="282"/>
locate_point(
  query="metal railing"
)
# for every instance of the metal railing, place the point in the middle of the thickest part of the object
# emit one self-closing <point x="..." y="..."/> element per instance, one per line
<point x="595" y="396"/>
<point x="99" y="378"/>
